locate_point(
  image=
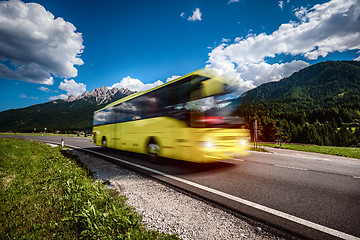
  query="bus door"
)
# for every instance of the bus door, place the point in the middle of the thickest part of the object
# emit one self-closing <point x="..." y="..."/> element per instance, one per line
<point x="115" y="128"/>
<point x="182" y="143"/>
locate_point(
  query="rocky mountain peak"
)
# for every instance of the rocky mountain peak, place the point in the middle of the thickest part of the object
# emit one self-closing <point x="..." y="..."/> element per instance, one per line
<point x="102" y="95"/>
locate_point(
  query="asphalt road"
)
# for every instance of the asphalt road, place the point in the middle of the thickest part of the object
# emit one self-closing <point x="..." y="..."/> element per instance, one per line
<point x="316" y="196"/>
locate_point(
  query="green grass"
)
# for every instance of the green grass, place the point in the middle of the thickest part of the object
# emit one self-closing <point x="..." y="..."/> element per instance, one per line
<point x="338" y="151"/>
<point x="258" y="149"/>
<point x="45" y="134"/>
<point x="46" y="195"/>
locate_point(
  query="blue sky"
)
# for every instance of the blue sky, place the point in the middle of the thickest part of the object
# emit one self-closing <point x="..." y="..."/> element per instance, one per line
<point x="50" y="49"/>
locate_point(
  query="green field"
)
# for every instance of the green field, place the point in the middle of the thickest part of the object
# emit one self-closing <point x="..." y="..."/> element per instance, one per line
<point x="45" y="134"/>
<point x="47" y="195"/>
<point x="337" y="151"/>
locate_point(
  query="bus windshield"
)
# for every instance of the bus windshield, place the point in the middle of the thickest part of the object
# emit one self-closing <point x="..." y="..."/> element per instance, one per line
<point x="214" y="111"/>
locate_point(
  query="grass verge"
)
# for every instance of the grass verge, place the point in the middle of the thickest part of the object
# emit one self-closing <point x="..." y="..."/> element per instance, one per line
<point x="258" y="149"/>
<point x="46" y="134"/>
<point x="331" y="150"/>
<point x="45" y="195"/>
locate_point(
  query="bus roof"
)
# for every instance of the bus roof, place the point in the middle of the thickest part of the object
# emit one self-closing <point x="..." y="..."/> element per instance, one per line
<point x="203" y="72"/>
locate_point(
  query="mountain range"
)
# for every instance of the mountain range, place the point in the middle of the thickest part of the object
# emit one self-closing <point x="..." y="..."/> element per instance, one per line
<point x="324" y="97"/>
<point x="73" y="113"/>
<point x="101" y="95"/>
<point x="318" y="85"/>
<point x="319" y="105"/>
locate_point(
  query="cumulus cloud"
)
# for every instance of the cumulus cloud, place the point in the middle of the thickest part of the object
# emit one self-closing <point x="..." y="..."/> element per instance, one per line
<point x="135" y="84"/>
<point x="71" y="87"/>
<point x="259" y="73"/>
<point x="44" y="89"/>
<point x="196" y="15"/>
<point x="172" y="78"/>
<point x="35" y="46"/>
<point x="325" y="28"/>
<point x="61" y="96"/>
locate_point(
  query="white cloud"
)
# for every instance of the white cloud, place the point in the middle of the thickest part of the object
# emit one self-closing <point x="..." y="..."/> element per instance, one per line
<point x="196" y="15"/>
<point x="224" y="40"/>
<point x="24" y="96"/>
<point x="322" y="29"/>
<point x="44" y="89"/>
<point x="61" y="96"/>
<point x="259" y="73"/>
<point x="135" y="84"/>
<point x="238" y="39"/>
<point x="72" y="88"/>
<point x="281" y="4"/>
<point x="182" y="15"/>
<point x="233" y="1"/>
<point x="172" y="78"/>
<point x="35" y="46"/>
<point x="29" y="73"/>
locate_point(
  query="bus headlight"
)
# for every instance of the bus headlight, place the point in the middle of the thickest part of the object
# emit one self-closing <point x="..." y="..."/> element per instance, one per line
<point x="207" y="144"/>
<point x="243" y="142"/>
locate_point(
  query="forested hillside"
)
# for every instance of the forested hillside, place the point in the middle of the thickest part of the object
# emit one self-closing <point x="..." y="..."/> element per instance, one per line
<point x="317" y="105"/>
<point x="73" y="113"/>
<point x="55" y="115"/>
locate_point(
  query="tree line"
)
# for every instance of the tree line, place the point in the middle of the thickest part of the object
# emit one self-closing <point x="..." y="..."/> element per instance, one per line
<point x="330" y="126"/>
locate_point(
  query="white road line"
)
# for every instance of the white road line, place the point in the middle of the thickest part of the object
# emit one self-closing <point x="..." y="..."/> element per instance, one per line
<point x="290" y="167"/>
<point x="319" y="158"/>
<point x="292" y="218"/>
<point x="237" y="159"/>
<point x="297" y="155"/>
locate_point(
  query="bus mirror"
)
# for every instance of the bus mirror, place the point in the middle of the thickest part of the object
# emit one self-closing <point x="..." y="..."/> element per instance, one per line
<point x="212" y="87"/>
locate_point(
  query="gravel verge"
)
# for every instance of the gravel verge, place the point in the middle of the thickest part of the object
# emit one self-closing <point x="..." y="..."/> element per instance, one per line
<point x="169" y="210"/>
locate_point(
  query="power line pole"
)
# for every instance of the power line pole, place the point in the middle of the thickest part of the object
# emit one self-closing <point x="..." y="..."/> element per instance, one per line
<point x="279" y="119"/>
<point x="255" y="133"/>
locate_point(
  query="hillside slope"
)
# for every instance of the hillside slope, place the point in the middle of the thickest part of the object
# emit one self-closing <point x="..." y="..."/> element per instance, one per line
<point x="321" y="85"/>
<point x="69" y="114"/>
<point x="319" y="104"/>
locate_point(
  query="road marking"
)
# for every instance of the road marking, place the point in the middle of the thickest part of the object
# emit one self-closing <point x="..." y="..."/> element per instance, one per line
<point x="358" y="177"/>
<point x="290" y="167"/>
<point x="275" y="212"/>
<point x="318" y="158"/>
<point x="297" y="155"/>
<point x="237" y="159"/>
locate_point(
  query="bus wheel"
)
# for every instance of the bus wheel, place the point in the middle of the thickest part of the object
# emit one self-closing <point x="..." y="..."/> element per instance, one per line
<point x="104" y="142"/>
<point x="153" y="150"/>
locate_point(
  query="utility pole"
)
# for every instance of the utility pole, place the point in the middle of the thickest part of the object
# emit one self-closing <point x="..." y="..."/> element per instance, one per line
<point x="255" y="133"/>
<point x="279" y="128"/>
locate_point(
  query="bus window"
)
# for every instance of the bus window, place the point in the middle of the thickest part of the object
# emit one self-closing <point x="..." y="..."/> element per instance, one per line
<point x="102" y="117"/>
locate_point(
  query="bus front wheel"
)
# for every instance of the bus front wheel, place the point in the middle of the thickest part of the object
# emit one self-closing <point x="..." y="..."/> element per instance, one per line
<point x="153" y="150"/>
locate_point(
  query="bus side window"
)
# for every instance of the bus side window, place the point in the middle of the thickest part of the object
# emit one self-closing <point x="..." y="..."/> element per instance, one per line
<point x="102" y="117"/>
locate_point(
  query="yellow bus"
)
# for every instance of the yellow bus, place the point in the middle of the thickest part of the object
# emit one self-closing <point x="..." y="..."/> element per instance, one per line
<point x="190" y="118"/>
